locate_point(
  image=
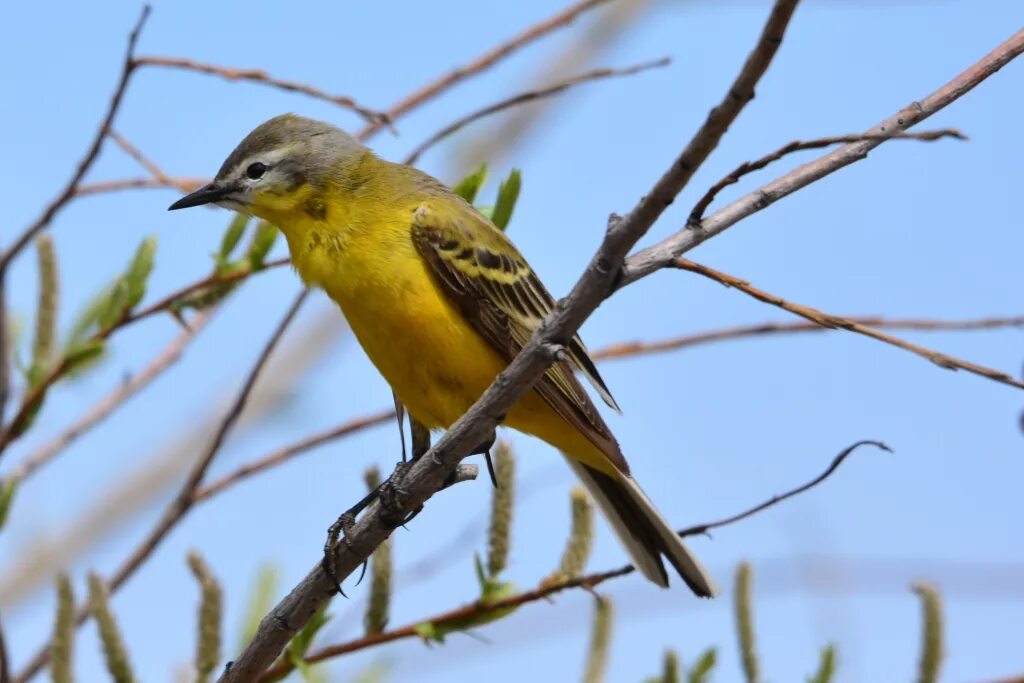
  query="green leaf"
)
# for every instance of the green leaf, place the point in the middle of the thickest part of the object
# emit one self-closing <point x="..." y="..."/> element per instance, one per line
<point x="427" y="631"/>
<point x="139" y="270"/>
<point x="261" y="599"/>
<point x="83" y="355"/>
<point x="300" y="644"/>
<point x="236" y="228"/>
<point x="262" y="242"/>
<point x="508" y="193"/>
<point x="468" y="187"/>
<point x="701" y="670"/>
<point x="7" y="490"/>
<point x="88" y="320"/>
<point x="128" y="289"/>
<point x="826" y="666"/>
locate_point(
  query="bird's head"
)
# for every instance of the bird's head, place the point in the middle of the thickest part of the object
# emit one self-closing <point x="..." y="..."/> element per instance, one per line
<point x="278" y="167"/>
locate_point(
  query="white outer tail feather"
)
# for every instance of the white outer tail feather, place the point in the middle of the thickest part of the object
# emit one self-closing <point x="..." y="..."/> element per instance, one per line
<point x="647" y="560"/>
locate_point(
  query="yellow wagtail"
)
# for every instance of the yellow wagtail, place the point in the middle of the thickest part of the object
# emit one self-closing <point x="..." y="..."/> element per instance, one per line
<point x="441" y="301"/>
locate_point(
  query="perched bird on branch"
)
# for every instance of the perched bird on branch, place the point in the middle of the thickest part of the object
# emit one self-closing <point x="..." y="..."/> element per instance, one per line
<point x="441" y="301"/>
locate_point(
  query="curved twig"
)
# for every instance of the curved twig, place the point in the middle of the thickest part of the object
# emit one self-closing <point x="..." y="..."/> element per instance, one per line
<point x="259" y="76"/>
<point x="528" y="96"/>
<point x="747" y="167"/>
<point x="835" y="322"/>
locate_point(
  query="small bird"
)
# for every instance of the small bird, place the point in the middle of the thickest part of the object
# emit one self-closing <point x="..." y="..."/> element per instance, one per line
<point x="441" y="301"/>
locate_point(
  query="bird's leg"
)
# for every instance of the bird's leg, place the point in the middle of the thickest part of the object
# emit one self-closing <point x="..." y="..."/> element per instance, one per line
<point x="343" y="525"/>
<point x="420" y="438"/>
<point x="420" y="446"/>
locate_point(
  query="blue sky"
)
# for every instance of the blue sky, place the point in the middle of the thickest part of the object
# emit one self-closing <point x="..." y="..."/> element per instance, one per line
<point x="929" y="230"/>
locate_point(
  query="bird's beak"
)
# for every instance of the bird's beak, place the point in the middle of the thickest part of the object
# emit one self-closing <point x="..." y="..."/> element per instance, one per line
<point x="207" y="194"/>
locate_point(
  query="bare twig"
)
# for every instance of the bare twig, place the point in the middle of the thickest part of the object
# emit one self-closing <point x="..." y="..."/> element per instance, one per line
<point x="697" y="214"/>
<point x="529" y="96"/>
<point x="835" y="322"/>
<point x="653" y="258"/>
<point x="107" y="405"/>
<point x="427" y="474"/>
<point x="168" y="302"/>
<point x="184" y="500"/>
<point x="775" y="500"/>
<point x="103" y="187"/>
<point x="144" y="161"/>
<point x="598" y="37"/>
<point x="483" y="62"/>
<point x="259" y="76"/>
<point x="68" y="192"/>
<point x="287" y="453"/>
<point x="636" y="348"/>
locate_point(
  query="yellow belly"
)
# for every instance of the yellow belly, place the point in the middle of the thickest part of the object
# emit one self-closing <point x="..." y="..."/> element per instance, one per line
<point x="435" y="362"/>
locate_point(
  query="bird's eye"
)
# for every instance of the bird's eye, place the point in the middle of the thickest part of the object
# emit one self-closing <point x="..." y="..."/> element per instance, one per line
<point x="256" y="171"/>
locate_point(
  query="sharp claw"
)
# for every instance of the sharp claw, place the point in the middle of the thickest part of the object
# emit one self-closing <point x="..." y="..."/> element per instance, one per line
<point x="490" y="469"/>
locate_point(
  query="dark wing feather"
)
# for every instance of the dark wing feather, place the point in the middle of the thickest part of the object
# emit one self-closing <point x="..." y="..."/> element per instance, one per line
<point x="504" y="301"/>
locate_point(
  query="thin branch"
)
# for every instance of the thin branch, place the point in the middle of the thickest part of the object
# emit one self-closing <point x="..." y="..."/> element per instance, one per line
<point x="259" y="76"/>
<point x="483" y="62"/>
<point x="135" y="153"/>
<point x="103" y="187"/>
<point x="282" y="455"/>
<point x="170" y="301"/>
<point x="466" y="613"/>
<point x="427" y="474"/>
<point x="747" y="167"/>
<point x="183" y="501"/>
<point x="68" y="192"/>
<point x="637" y="348"/>
<point x="475" y="612"/>
<point x="112" y="401"/>
<point x="775" y="500"/>
<point x="660" y="255"/>
<point x="528" y="96"/>
<point x="835" y="322"/>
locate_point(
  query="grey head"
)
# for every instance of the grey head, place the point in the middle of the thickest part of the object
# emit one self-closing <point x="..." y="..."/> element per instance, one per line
<point x="277" y="157"/>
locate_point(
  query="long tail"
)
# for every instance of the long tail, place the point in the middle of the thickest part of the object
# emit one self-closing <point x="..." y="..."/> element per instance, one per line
<point x="643" y="531"/>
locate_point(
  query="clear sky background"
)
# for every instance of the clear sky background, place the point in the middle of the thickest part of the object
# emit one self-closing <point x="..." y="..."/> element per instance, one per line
<point x="931" y="230"/>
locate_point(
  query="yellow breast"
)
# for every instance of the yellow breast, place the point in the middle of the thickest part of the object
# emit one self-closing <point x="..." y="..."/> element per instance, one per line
<point x="362" y="255"/>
